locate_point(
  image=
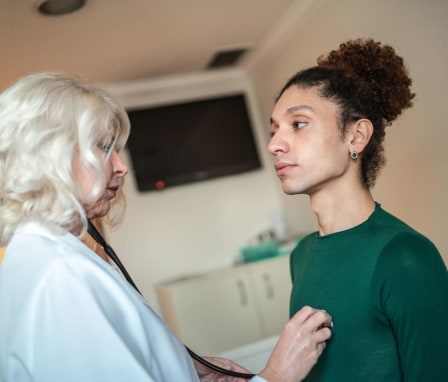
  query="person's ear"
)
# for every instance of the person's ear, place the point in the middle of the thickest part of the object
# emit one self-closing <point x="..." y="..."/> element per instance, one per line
<point x="360" y="133"/>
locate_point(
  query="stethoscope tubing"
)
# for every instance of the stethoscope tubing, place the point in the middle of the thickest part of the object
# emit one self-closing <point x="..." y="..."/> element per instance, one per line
<point x="114" y="257"/>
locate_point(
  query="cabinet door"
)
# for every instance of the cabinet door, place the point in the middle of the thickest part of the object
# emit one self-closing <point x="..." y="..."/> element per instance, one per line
<point x="272" y="283"/>
<point x="212" y="313"/>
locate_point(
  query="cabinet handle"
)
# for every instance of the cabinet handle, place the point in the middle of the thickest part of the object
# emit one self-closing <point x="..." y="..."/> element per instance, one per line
<point x="268" y="286"/>
<point x="243" y="292"/>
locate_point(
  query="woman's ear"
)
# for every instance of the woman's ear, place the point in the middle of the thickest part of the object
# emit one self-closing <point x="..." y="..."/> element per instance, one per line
<point x="360" y="133"/>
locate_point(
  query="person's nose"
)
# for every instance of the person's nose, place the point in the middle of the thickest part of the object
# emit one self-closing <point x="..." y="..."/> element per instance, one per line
<point x="277" y="144"/>
<point x="119" y="166"/>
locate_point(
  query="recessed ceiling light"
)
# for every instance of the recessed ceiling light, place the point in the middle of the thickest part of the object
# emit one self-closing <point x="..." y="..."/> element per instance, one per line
<point x="58" y="7"/>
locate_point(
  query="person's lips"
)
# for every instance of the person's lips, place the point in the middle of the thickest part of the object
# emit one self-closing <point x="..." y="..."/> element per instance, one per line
<point x="283" y="167"/>
<point x="113" y="190"/>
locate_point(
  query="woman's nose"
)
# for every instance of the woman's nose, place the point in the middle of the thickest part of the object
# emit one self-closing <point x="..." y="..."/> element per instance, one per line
<point x="119" y="165"/>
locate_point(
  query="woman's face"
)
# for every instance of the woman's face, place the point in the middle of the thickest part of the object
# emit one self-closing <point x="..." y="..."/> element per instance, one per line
<point x="310" y="154"/>
<point x="114" y="169"/>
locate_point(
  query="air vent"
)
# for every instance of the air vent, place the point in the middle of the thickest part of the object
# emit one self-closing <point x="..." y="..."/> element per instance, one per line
<point x="226" y="58"/>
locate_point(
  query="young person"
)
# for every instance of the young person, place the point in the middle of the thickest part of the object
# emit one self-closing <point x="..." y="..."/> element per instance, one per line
<point x="385" y="284"/>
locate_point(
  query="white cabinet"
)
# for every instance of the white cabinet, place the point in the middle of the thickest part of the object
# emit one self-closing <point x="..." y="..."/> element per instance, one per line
<point x="228" y="308"/>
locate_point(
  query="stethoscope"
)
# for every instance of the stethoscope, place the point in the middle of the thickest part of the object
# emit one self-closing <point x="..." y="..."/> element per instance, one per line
<point x="113" y="256"/>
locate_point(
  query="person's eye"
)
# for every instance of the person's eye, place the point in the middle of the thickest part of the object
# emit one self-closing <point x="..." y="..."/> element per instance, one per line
<point x="299" y="124"/>
<point x="105" y="148"/>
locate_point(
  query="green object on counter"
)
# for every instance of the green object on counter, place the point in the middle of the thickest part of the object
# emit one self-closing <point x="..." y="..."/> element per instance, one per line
<point x="261" y="251"/>
<point x="268" y="249"/>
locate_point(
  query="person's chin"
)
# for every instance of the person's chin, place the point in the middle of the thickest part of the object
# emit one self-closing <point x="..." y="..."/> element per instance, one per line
<point x="291" y="190"/>
<point x="99" y="211"/>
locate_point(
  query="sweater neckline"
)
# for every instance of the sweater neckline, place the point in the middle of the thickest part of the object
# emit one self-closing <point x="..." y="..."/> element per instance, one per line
<point x="350" y="231"/>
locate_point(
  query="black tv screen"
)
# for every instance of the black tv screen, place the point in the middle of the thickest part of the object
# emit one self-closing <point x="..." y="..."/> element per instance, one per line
<point x="186" y="142"/>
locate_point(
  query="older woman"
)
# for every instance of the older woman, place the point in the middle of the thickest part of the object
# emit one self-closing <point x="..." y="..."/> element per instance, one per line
<point x="66" y="314"/>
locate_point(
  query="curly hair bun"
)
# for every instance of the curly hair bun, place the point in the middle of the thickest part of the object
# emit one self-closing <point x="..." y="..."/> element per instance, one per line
<point x="377" y="69"/>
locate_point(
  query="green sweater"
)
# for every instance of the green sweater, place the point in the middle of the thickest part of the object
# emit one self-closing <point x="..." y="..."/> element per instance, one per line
<point x="386" y="287"/>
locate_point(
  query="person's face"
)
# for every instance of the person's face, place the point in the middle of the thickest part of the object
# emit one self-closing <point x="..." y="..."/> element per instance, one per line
<point x="114" y="169"/>
<point x="310" y="154"/>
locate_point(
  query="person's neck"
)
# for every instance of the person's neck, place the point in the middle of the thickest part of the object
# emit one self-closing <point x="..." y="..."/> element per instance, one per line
<point x="338" y="211"/>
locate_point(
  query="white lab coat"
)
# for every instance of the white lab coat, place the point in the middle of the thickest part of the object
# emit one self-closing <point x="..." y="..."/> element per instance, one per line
<point x="68" y="316"/>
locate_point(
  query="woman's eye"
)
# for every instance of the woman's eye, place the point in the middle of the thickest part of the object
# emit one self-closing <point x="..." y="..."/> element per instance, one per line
<point x="299" y="124"/>
<point x="105" y="148"/>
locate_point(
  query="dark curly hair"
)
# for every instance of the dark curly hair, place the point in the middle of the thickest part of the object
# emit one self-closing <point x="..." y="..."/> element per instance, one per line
<point x="366" y="79"/>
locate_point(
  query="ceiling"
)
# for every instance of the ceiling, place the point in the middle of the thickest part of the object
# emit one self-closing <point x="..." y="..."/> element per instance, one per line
<point x="118" y="40"/>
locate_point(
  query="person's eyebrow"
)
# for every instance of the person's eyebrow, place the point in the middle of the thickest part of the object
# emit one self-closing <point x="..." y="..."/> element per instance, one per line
<point x="292" y="110"/>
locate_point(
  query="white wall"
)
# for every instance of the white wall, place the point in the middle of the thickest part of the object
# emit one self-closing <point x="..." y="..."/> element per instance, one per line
<point x="414" y="183"/>
<point x="196" y="227"/>
<point x="202" y="226"/>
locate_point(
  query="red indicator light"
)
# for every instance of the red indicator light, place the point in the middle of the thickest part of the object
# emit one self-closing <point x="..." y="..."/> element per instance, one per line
<point x="160" y="184"/>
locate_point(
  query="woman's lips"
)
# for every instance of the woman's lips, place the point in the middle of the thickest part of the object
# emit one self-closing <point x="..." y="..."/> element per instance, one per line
<point x="113" y="190"/>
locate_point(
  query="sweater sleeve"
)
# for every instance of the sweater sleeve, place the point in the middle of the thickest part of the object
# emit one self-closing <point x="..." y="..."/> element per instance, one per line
<point x="411" y="288"/>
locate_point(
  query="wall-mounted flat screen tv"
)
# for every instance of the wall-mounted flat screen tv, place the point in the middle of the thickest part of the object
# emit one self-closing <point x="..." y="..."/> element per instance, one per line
<point x="191" y="141"/>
